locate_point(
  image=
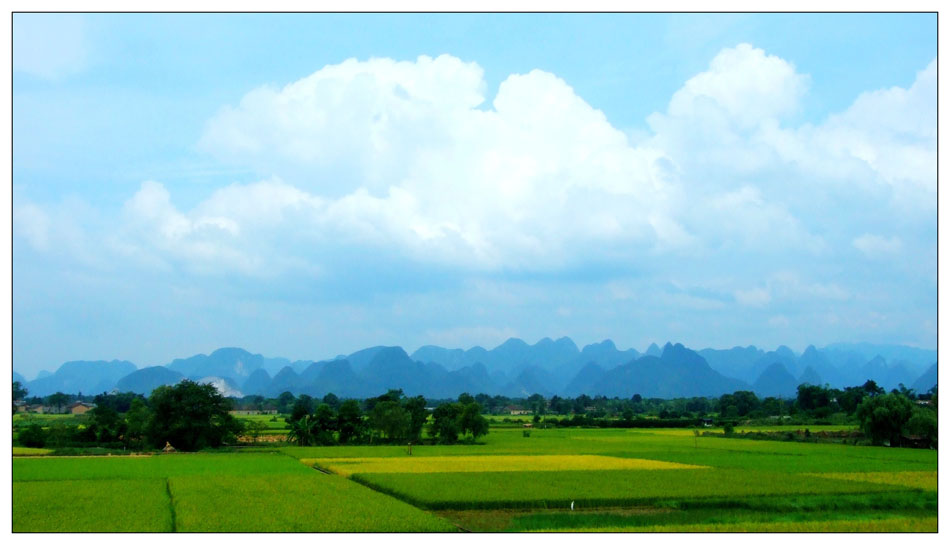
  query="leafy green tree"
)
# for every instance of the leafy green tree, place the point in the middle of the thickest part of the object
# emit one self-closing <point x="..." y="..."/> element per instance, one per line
<point x="445" y="423"/>
<point x="324" y="424"/>
<point x="350" y="421"/>
<point x="136" y="422"/>
<point x="536" y="402"/>
<point x="58" y="400"/>
<point x="923" y="424"/>
<point x="191" y="416"/>
<point x="772" y="406"/>
<point x="302" y="407"/>
<point x="301" y="431"/>
<point x="884" y="416"/>
<point x="391" y="395"/>
<point x="285" y="402"/>
<point x="32" y="436"/>
<point x="471" y="420"/>
<point x="390" y="420"/>
<point x="120" y="402"/>
<point x="466" y="398"/>
<point x="905" y="391"/>
<point x="416" y="407"/>
<point x="105" y="424"/>
<point x="332" y="400"/>
<point x="850" y="398"/>
<point x="19" y="392"/>
<point x="872" y="389"/>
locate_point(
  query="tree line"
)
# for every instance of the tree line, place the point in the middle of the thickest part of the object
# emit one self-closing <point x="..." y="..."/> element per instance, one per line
<point x="191" y="416"/>
<point x="127" y="420"/>
<point x="390" y="418"/>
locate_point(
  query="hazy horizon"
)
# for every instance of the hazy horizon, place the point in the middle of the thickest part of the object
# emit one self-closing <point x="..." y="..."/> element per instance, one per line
<point x="321" y="183"/>
<point x="642" y="350"/>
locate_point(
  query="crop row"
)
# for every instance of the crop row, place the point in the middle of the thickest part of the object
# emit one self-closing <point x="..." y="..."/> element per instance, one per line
<point x="117" y="505"/>
<point x="493" y="490"/>
<point x="457" y="464"/>
<point x="681" y="448"/>
<point x="201" y="493"/>
<point x="292" y="503"/>
<point x="148" y="467"/>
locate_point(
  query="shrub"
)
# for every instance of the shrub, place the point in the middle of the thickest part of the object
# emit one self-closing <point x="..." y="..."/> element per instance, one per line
<point x="33" y="436"/>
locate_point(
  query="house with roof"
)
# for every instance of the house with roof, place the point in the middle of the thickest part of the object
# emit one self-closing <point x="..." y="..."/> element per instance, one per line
<point x="80" y="407"/>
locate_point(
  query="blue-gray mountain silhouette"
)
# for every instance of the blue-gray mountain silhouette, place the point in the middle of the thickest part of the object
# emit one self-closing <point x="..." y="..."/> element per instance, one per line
<point x="515" y="368"/>
<point x="88" y="377"/>
<point x="678" y="372"/>
<point x="926" y="381"/>
<point x="776" y="381"/>
<point x="147" y="379"/>
<point x="810" y="376"/>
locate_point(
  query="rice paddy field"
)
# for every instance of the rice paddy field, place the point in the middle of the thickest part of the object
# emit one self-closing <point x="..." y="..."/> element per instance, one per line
<point x="587" y="480"/>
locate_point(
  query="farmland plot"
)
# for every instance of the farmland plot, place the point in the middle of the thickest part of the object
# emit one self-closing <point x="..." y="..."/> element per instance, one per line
<point x="598" y="488"/>
<point x="114" y="505"/>
<point x="200" y="493"/>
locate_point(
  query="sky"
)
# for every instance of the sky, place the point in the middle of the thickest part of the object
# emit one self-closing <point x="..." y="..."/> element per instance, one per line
<point x="308" y="185"/>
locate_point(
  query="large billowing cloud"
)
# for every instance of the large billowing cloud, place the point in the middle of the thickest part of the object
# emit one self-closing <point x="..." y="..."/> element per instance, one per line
<point x="407" y="159"/>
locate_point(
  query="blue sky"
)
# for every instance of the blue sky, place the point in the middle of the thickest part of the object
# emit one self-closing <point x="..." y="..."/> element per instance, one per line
<point x="307" y="185"/>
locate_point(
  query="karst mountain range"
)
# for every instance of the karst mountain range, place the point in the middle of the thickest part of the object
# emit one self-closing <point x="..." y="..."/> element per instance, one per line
<point x="515" y="369"/>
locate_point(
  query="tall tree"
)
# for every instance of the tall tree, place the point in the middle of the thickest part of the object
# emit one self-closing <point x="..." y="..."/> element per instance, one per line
<point x="416" y="406"/>
<point x="191" y="416"/>
<point x="390" y="420"/>
<point x="471" y="420"/>
<point x="883" y="417"/>
<point x="350" y="421"/>
<point x="445" y="423"/>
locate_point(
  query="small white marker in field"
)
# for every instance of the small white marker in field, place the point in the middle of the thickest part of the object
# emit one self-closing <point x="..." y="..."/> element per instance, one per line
<point x="572" y="506"/>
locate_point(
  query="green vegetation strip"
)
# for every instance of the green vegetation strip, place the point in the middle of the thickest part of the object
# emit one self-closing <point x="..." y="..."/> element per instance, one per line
<point x="459" y="464"/>
<point x="809" y="510"/>
<point x="494" y="490"/>
<point x="91" y="506"/>
<point x="27" y="451"/>
<point x="293" y="503"/>
<point x="928" y="524"/>
<point x="147" y="467"/>
<point x="201" y="493"/>
<point x="659" y="445"/>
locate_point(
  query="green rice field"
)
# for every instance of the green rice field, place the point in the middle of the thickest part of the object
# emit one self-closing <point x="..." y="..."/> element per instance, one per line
<point x="588" y="480"/>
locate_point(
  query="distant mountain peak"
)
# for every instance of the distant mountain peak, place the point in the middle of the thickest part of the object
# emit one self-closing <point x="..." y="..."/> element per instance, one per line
<point x="514" y="342"/>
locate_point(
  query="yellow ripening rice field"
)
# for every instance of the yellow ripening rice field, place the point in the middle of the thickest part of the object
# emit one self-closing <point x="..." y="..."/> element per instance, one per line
<point x="925" y="480"/>
<point x="27" y="451"/>
<point x="478" y="464"/>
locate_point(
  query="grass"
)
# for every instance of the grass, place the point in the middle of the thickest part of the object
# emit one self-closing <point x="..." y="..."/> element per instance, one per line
<point x="493" y="490"/>
<point x="659" y="445"/>
<point x="114" y="505"/>
<point x="27" y="451"/>
<point x="466" y="464"/>
<point x="925" y="480"/>
<point x="704" y="511"/>
<point x="506" y="481"/>
<point x="145" y="467"/>
<point x="928" y="524"/>
<point x="206" y="493"/>
<point x="292" y="503"/>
